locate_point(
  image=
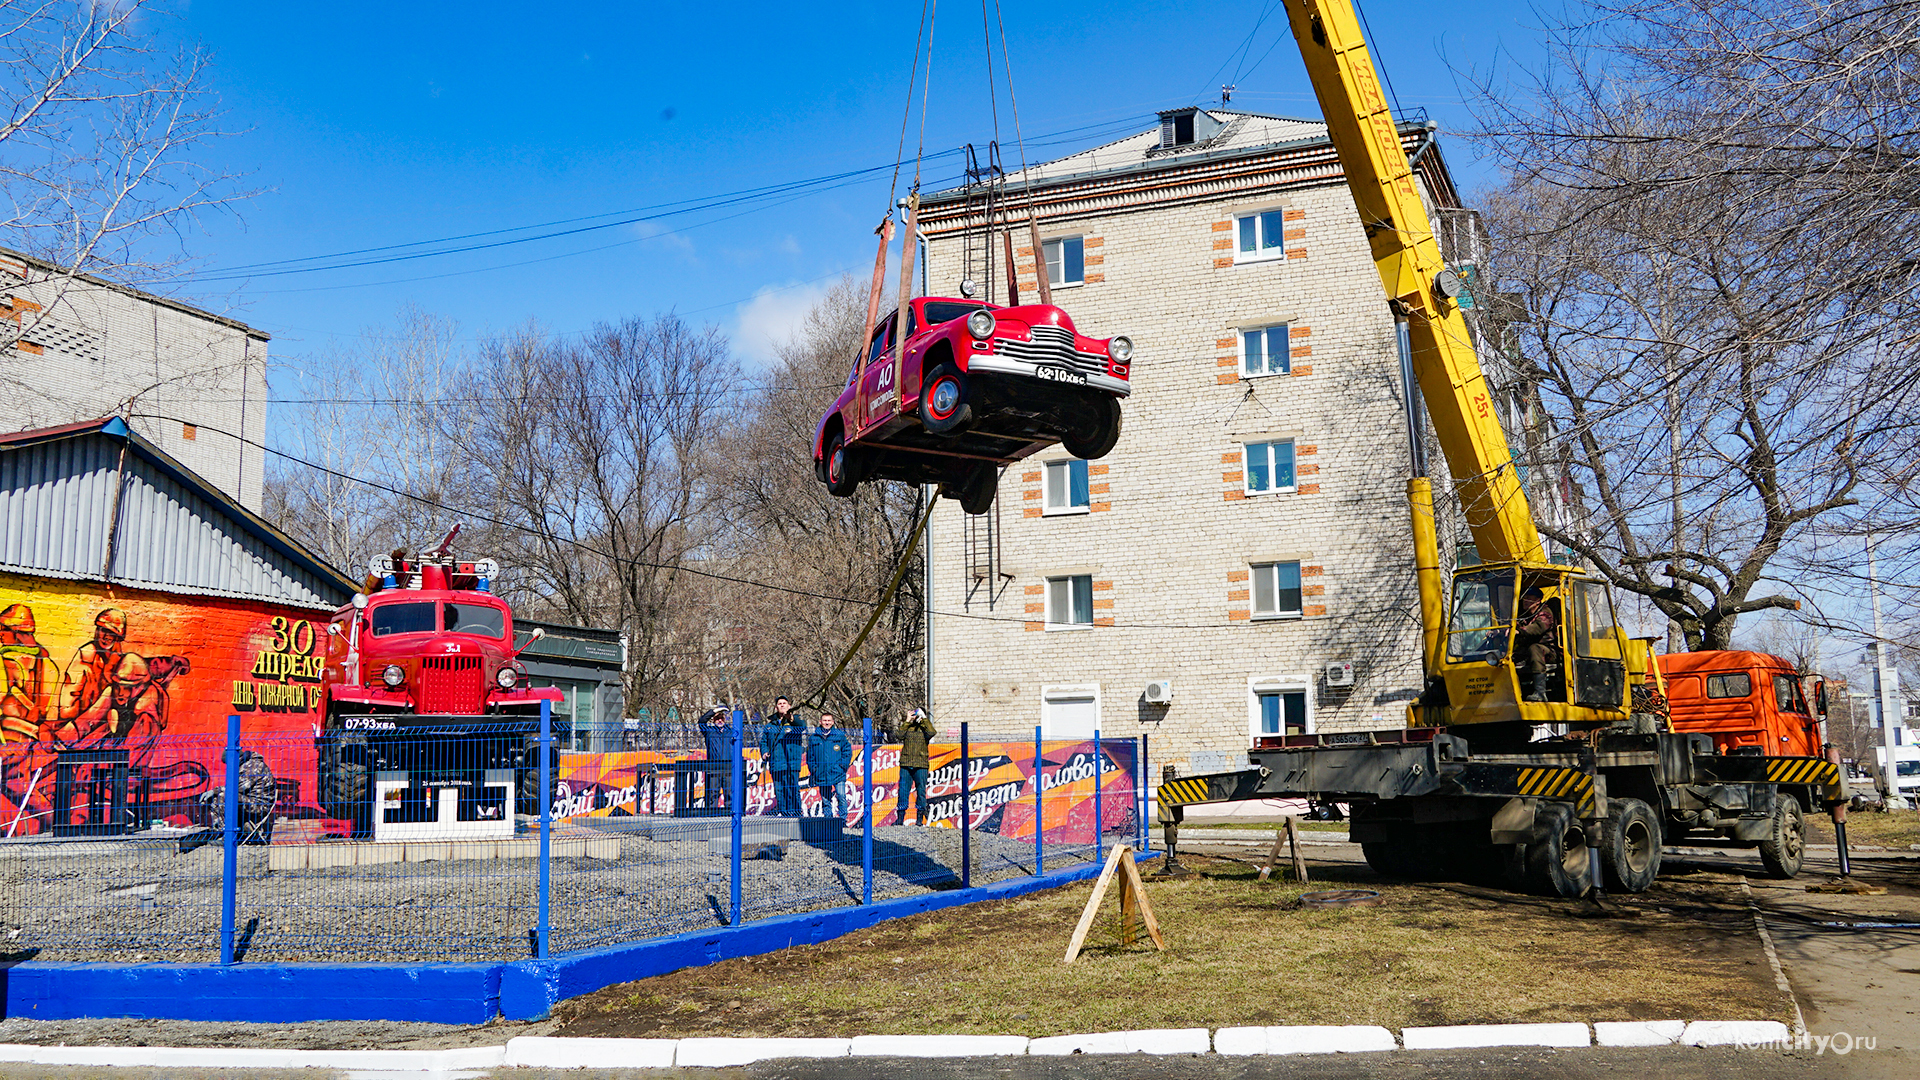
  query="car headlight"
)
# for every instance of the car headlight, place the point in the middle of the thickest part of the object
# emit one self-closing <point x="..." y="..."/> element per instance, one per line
<point x="507" y="678"/>
<point x="394" y="675"/>
<point x="980" y="324"/>
<point x="1121" y="349"/>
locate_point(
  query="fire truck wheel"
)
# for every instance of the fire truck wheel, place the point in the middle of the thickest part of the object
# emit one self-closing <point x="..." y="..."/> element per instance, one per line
<point x="526" y="783"/>
<point x="1786" y="840"/>
<point x="977" y="491"/>
<point x="1556" y="862"/>
<point x="943" y="401"/>
<point x="1630" y="846"/>
<point x="1097" y="431"/>
<point x="344" y="786"/>
<point x="843" y="467"/>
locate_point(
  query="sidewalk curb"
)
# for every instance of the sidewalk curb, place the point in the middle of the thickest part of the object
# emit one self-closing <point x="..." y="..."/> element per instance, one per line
<point x="552" y="1052"/>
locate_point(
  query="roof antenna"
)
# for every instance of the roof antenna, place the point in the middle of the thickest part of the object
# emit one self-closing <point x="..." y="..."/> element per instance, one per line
<point x="1226" y="93"/>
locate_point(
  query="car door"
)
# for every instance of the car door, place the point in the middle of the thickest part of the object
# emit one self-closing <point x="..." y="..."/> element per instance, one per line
<point x="874" y="404"/>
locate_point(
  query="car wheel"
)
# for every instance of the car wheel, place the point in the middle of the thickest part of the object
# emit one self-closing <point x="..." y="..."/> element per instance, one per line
<point x="1096" y="432"/>
<point x="977" y="491"/>
<point x="843" y="473"/>
<point x="1630" y="846"/>
<point x="943" y="401"/>
<point x="1786" y="842"/>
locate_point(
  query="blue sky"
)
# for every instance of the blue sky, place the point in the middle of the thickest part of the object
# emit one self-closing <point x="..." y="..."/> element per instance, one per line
<point x="384" y="124"/>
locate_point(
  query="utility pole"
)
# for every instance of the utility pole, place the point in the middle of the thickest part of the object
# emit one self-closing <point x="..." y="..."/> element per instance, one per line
<point x="1886" y="682"/>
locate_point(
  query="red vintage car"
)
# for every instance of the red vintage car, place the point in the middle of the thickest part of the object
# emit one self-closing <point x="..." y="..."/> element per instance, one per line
<point x="982" y="386"/>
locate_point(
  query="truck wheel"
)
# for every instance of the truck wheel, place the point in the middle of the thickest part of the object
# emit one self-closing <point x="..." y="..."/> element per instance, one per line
<point x="1630" y="846"/>
<point x="1786" y="841"/>
<point x="1396" y="858"/>
<point x="345" y="790"/>
<point x="1556" y="862"/>
<point x="1096" y="433"/>
<point x="843" y="467"/>
<point x="943" y="401"/>
<point x="526" y="782"/>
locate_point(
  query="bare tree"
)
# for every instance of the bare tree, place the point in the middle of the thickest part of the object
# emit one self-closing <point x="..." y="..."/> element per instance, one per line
<point x="1711" y="214"/>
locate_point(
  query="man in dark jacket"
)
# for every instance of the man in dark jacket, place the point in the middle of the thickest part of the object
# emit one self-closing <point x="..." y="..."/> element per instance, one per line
<point x="782" y="749"/>
<point x="829" y="753"/>
<point x="915" y="737"/>
<point x="716" y="730"/>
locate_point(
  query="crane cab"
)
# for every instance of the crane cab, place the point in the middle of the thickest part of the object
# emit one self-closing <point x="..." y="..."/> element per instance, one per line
<point x="1531" y="643"/>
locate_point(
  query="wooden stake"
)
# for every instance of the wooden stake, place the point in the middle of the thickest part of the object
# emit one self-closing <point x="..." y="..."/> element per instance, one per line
<point x="1133" y="895"/>
<point x="1273" y="854"/>
<point x="1299" y="860"/>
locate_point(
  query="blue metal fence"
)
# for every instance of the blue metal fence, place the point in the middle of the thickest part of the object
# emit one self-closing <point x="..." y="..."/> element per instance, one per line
<point x="390" y="844"/>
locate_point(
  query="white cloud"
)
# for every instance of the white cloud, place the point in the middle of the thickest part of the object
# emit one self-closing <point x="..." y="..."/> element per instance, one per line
<point x="772" y="317"/>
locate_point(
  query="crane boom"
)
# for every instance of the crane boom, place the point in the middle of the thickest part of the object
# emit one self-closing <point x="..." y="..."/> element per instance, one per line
<point x="1407" y="255"/>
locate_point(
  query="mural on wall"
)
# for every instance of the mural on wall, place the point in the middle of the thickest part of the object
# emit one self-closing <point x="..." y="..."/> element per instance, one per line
<point x="149" y="676"/>
<point x="1000" y="796"/>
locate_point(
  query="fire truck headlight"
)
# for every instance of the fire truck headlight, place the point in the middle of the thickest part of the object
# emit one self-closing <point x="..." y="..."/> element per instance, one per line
<point x="394" y="675"/>
<point x="507" y="678"/>
<point x="1121" y="349"/>
<point x="980" y="324"/>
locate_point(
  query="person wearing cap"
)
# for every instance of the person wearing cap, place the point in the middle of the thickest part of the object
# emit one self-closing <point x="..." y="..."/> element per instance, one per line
<point x="916" y="737"/>
<point x="829" y="753"/>
<point x="782" y="749"/>
<point x="716" y="730"/>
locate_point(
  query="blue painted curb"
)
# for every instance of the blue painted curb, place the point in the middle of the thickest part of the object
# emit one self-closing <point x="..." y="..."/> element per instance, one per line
<point x="439" y="993"/>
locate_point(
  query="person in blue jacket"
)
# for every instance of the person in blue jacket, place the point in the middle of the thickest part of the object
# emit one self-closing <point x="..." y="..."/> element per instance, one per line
<point x="829" y="753"/>
<point x="781" y="748"/>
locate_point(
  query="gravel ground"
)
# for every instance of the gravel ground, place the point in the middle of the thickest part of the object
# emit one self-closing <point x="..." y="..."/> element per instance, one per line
<point x="137" y="900"/>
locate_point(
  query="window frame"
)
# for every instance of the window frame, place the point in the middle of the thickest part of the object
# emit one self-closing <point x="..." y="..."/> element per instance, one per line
<point x="1278" y="613"/>
<point x="1069" y="508"/>
<point x="1059" y="243"/>
<point x="1259" y="685"/>
<point x="1261" y="252"/>
<point x="1051" y="693"/>
<point x="1246" y="467"/>
<point x="1286" y="349"/>
<point x="1725" y="681"/>
<point x="1052" y="611"/>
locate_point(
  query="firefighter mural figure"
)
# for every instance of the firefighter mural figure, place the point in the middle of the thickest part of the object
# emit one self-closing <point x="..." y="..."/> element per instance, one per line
<point x="27" y="679"/>
<point x="90" y="673"/>
<point x="132" y="712"/>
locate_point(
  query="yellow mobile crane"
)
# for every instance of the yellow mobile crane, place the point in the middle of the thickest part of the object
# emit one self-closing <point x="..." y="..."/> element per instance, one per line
<point x="1466" y="788"/>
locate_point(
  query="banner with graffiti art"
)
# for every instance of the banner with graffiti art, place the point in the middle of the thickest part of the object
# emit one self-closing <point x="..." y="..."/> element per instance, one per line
<point x="1000" y="799"/>
<point x="143" y="682"/>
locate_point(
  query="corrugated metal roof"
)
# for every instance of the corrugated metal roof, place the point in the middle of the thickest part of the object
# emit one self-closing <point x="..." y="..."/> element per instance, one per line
<point x="176" y="533"/>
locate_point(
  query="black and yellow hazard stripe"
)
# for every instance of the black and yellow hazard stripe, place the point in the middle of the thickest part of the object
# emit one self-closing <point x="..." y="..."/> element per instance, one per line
<point x="1802" y="770"/>
<point x="1184" y="792"/>
<point x="1572" y="785"/>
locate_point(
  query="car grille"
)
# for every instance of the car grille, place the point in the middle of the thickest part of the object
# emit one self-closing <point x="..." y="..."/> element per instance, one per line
<point x="1053" y="345"/>
<point x="452" y="685"/>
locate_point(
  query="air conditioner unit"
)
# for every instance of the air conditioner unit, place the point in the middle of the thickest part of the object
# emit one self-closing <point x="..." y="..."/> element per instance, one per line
<point x="1160" y="692"/>
<point x="1340" y="674"/>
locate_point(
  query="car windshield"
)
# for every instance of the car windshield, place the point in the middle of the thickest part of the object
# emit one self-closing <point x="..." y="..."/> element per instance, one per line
<point x="1906" y="768"/>
<point x="411" y="618"/>
<point x="940" y="311"/>
<point x="479" y="619"/>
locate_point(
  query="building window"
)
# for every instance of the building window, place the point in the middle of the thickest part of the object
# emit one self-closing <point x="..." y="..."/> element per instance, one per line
<point x="1066" y="260"/>
<point x="1260" y="236"/>
<point x="1069" y="601"/>
<point x="1070" y="712"/>
<point x="1269" y="467"/>
<point x="1067" y="487"/>
<point x="1279" y="705"/>
<point x="1263" y="351"/>
<point x="1276" y="590"/>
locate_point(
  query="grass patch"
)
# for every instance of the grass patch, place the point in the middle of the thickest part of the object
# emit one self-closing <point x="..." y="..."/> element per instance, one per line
<point x="1896" y="829"/>
<point x="1239" y="952"/>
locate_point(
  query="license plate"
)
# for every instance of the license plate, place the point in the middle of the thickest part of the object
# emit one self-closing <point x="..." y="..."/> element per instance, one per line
<point x="1056" y="374"/>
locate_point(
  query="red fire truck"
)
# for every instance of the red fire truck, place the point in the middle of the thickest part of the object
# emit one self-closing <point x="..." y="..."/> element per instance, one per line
<point x="423" y="678"/>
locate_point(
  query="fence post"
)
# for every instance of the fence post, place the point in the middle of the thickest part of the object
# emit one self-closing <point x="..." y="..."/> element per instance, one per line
<point x="1139" y="781"/>
<point x="1099" y="766"/>
<point x="542" y="932"/>
<point x="1039" y="809"/>
<point x="230" y="866"/>
<point x="739" y="789"/>
<point x="866" y="802"/>
<point x="966" y="813"/>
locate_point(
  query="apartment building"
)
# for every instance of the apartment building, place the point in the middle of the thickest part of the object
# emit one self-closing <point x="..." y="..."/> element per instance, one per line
<point x="193" y="384"/>
<point x="1240" y="564"/>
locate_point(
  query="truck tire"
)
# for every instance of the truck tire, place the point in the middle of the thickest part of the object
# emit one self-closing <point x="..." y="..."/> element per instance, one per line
<point x="1630" y="846"/>
<point x="346" y="787"/>
<point x="526" y="781"/>
<point x="1786" y="843"/>
<point x="1397" y="859"/>
<point x="1556" y="862"/>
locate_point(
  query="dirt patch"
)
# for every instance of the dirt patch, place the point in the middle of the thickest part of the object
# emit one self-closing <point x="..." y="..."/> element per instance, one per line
<point x="1239" y="952"/>
<point x="1896" y="830"/>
